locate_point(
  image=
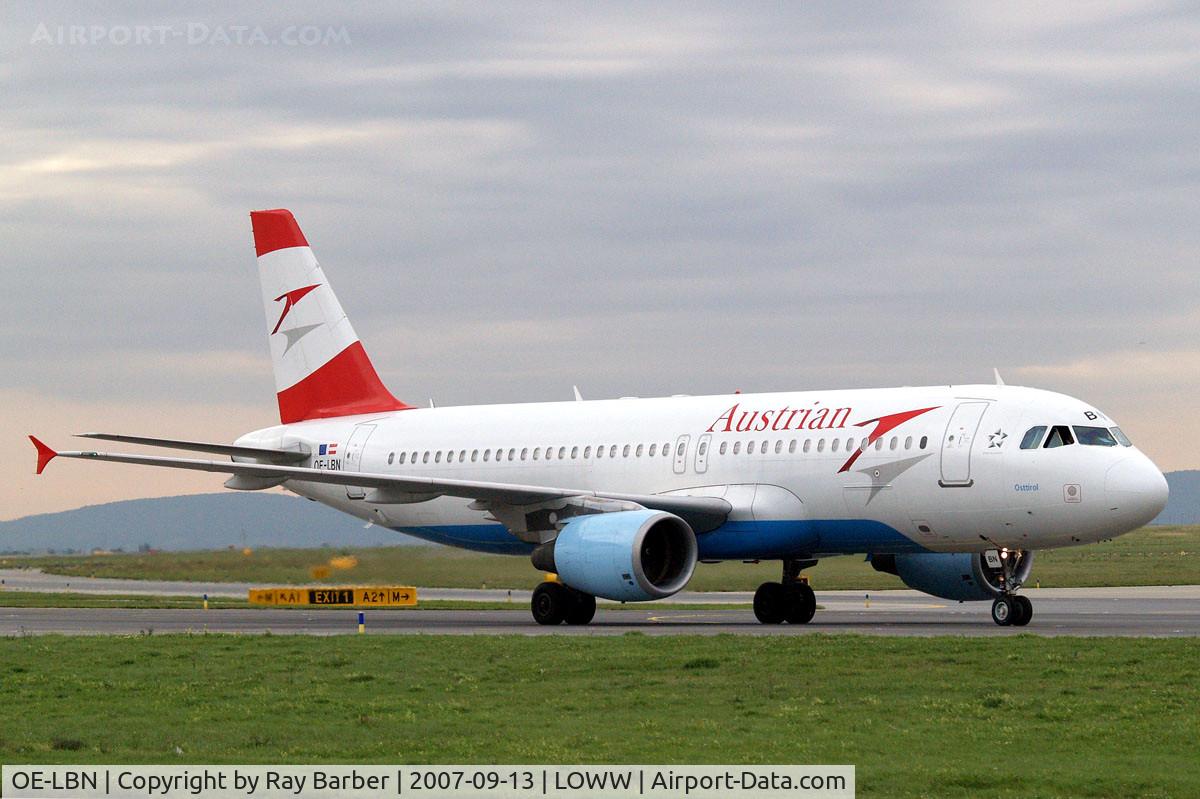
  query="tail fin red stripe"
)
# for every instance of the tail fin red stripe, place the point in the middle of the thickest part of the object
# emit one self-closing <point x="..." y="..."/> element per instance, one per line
<point x="346" y="385"/>
<point x="275" y="230"/>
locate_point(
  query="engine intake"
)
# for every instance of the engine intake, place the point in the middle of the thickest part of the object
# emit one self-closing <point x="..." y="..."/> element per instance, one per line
<point x="630" y="556"/>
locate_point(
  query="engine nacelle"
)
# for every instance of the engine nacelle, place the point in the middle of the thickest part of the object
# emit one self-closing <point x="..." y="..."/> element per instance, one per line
<point x="955" y="575"/>
<point x="630" y="555"/>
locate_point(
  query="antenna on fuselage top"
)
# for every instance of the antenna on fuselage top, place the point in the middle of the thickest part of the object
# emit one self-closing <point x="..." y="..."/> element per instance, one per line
<point x="578" y="396"/>
<point x="999" y="379"/>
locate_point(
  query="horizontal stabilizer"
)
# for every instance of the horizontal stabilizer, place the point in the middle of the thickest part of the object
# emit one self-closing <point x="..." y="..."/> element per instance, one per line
<point x="292" y="455"/>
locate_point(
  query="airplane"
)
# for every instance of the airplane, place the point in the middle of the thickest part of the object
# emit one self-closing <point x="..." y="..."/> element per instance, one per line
<point x="951" y="488"/>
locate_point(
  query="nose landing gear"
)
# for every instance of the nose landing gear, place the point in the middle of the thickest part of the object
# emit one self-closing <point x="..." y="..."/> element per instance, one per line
<point x="1012" y="609"/>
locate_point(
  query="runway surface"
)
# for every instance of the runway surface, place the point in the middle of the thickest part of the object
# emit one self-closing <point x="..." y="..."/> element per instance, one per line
<point x="1142" y="611"/>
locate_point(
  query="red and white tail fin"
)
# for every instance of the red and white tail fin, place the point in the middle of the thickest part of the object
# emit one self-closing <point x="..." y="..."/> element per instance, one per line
<point x="321" y="369"/>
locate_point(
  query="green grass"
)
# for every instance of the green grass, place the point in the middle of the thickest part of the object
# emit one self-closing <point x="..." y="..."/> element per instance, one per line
<point x="1150" y="556"/>
<point x="39" y="599"/>
<point x="1017" y="716"/>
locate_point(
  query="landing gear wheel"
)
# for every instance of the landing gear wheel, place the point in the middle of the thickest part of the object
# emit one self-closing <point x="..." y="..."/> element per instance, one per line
<point x="1004" y="610"/>
<point x="801" y="603"/>
<point x="551" y="602"/>
<point x="582" y="609"/>
<point x="770" y="603"/>
<point x="1022" y="611"/>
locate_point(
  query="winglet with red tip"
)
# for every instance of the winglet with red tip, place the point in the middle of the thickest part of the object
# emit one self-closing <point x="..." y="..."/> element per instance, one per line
<point x="45" y="454"/>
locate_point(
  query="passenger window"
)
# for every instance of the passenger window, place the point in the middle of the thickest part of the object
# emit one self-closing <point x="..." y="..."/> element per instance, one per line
<point x="487" y="454"/>
<point x="666" y="450"/>
<point x="894" y="442"/>
<point x="779" y="447"/>
<point x="640" y="448"/>
<point x="924" y="441"/>
<point x="462" y="456"/>
<point x="403" y="458"/>
<point x="450" y="456"/>
<point x="587" y="452"/>
<point x="680" y="449"/>
<point x="437" y="456"/>
<point x="703" y="447"/>
<point x="574" y="453"/>
<point x="536" y="451"/>
<point x="562" y="453"/>
<point x="474" y="455"/>
<point x="612" y="451"/>
<point x="653" y="450"/>
<point x="750" y="448"/>
<point x="807" y="444"/>
<point x="1094" y="437"/>
<point x="1117" y="434"/>
<point x="724" y="447"/>
<point x="833" y="445"/>
<point x="600" y="451"/>
<point x="850" y="444"/>
<point x="1033" y="437"/>
<point x="908" y="443"/>
<point x="1060" y="436"/>
<point x="820" y="445"/>
<point x="737" y="447"/>
<point x="879" y="444"/>
<point x="792" y="447"/>
<point x="625" y="451"/>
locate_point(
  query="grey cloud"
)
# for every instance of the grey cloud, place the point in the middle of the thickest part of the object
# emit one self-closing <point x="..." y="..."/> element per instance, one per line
<point x="691" y="198"/>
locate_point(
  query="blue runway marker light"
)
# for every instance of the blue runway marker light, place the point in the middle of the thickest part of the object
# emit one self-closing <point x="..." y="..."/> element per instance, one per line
<point x="362" y="622"/>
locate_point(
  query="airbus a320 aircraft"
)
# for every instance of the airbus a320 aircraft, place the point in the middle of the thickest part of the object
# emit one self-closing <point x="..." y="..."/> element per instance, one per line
<point x="952" y="488"/>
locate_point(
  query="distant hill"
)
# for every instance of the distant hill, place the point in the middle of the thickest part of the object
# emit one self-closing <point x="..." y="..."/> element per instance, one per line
<point x="216" y="521"/>
<point x="1184" y="505"/>
<point x="200" y="521"/>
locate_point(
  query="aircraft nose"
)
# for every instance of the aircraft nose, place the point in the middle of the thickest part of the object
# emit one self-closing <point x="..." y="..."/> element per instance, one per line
<point x="1135" y="487"/>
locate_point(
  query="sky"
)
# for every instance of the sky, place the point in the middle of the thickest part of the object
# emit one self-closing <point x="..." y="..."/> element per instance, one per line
<point x="512" y="198"/>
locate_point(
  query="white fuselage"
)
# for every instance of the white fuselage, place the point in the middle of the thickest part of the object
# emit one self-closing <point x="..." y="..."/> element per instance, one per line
<point x="947" y="474"/>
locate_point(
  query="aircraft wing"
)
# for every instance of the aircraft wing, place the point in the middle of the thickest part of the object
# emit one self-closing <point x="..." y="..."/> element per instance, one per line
<point x="702" y="513"/>
<point x="292" y="455"/>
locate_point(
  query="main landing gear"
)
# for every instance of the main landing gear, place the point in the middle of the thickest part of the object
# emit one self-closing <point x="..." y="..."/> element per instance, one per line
<point x="791" y="600"/>
<point x="1012" y="609"/>
<point x="553" y="603"/>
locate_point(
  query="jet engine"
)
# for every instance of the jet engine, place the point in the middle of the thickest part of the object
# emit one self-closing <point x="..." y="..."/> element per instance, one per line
<point x="630" y="556"/>
<point x="959" y="575"/>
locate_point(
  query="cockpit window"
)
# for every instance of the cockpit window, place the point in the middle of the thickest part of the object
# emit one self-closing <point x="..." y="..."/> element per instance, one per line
<point x="1033" y="437"/>
<point x="1095" y="436"/>
<point x="1121" y="437"/>
<point x="1060" y="436"/>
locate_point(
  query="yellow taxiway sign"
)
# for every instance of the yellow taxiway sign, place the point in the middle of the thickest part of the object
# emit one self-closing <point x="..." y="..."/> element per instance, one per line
<point x="382" y="596"/>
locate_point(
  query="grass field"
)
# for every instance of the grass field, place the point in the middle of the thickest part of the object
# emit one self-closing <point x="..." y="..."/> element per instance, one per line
<point x="1018" y="716"/>
<point x="1150" y="556"/>
<point x="39" y="599"/>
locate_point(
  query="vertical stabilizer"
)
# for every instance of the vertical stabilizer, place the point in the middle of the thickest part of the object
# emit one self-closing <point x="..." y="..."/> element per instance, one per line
<point x="321" y="368"/>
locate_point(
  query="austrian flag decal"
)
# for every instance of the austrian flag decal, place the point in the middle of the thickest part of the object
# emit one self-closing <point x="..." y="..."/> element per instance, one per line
<point x="327" y="449"/>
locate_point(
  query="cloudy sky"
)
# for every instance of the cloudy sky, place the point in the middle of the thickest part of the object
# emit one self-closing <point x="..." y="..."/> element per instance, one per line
<point x="513" y="198"/>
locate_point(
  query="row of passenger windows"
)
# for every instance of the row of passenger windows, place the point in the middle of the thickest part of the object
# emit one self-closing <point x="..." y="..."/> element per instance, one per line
<point x="611" y="451"/>
<point x="1061" y="435"/>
